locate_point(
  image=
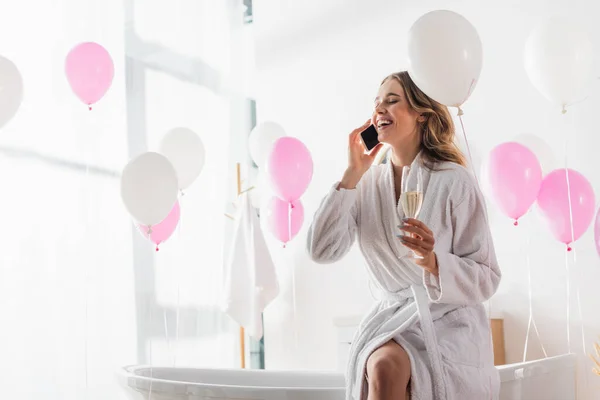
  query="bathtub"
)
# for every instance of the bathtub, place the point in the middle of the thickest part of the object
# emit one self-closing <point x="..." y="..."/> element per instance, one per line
<point x="229" y="384"/>
<point x="549" y="379"/>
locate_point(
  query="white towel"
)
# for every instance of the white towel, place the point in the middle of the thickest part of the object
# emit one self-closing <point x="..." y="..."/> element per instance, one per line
<point x="250" y="278"/>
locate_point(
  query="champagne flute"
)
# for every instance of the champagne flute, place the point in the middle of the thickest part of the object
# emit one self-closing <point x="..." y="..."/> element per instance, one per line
<point x="411" y="195"/>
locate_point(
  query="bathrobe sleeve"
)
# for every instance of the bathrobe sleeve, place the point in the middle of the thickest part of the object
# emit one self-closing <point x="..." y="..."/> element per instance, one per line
<point x="334" y="226"/>
<point x="469" y="273"/>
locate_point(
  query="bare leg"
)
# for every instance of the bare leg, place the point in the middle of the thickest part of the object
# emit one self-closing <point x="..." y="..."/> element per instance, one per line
<point x="388" y="373"/>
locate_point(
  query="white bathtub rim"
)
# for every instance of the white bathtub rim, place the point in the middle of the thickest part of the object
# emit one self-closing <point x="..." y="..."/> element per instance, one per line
<point x="128" y="376"/>
<point x="128" y="373"/>
<point x="541" y="366"/>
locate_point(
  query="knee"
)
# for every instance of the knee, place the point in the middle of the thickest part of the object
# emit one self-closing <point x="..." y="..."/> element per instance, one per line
<point x="389" y="369"/>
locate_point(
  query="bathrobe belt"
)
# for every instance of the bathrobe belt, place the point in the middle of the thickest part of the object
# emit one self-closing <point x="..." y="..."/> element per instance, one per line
<point x="421" y="300"/>
<point x="392" y="315"/>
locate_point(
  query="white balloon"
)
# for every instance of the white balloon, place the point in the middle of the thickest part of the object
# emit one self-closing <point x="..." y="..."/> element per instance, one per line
<point x="11" y="90"/>
<point x="262" y="190"/>
<point x="184" y="148"/>
<point x="149" y="188"/>
<point x="559" y="60"/>
<point x="542" y="150"/>
<point x="445" y="56"/>
<point x="261" y="141"/>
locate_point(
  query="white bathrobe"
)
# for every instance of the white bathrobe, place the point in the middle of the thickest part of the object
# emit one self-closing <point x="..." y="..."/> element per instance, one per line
<point x="440" y="322"/>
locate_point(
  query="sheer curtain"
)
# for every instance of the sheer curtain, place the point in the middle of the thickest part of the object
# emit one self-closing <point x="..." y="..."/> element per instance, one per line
<point x="81" y="292"/>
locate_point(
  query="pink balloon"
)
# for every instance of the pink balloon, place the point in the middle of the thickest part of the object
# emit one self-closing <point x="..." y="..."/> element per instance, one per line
<point x="163" y="230"/>
<point x="290" y="168"/>
<point x="277" y="214"/>
<point x="90" y="70"/>
<point x="597" y="232"/>
<point x="515" y="177"/>
<point x="553" y="201"/>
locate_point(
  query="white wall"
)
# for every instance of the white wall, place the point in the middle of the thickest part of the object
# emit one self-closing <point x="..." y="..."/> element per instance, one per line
<point x="318" y="71"/>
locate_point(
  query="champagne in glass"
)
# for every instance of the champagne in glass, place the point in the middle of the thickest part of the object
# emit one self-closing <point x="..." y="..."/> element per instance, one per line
<point x="411" y="195"/>
<point x="411" y="203"/>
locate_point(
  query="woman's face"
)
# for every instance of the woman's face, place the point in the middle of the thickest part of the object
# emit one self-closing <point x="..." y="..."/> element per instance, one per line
<point x="395" y="121"/>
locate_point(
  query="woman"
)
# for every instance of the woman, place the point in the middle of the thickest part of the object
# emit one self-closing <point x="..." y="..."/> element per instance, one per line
<point x="428" y="338"/>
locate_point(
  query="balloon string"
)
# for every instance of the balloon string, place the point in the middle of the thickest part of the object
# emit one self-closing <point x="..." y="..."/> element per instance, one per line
<point x="462" y="125"/>
<point x="568" y="302"/>
<point x="290" y="207"/>
<point x="178" y="277"/>
<point x="87" y="268"/>
<point x="572" y="232"/>
<point x="85" y="351"/>
<point x="537" y="333"/>
<point x="150" y="357"/>
<point x="175" y="345"/>
<point x="579" y="308"/>
<point x="294" y="307"/>
<point x="485" y="214"/>
<point x="527" y="338"/>
<point x="531" y="318"/>
<point x="569" y="185"/>
<point x="579" y="301"/>
<point x="570" y="209"/>
<point x="166" y="323"/>
<point x="528" y="262"/>
<point x="578" y="279"/>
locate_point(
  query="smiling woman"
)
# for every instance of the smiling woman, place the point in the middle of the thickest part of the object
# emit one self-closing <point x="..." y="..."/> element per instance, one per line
<point x="449" y="352"/>
<point x="436" y="130"/>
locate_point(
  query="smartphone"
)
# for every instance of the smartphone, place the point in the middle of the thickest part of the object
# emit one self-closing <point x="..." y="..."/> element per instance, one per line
<point x="369" y="137"/>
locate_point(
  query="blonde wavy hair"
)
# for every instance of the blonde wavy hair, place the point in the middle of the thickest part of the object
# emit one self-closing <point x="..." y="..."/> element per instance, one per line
<point x="437" y="131"/>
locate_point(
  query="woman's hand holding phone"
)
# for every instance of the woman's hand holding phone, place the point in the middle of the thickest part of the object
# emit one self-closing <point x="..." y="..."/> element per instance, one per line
<point x="358" y="161"/>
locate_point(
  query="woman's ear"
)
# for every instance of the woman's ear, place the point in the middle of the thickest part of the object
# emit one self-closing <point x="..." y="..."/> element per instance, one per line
<point x="421" y="118"/>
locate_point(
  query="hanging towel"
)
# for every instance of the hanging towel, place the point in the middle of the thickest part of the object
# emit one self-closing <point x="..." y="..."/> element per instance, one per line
<point x="250" y="282"/>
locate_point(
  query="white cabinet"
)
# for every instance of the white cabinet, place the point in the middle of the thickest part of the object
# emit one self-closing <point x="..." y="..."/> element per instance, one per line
<point x="345" y="328"/>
